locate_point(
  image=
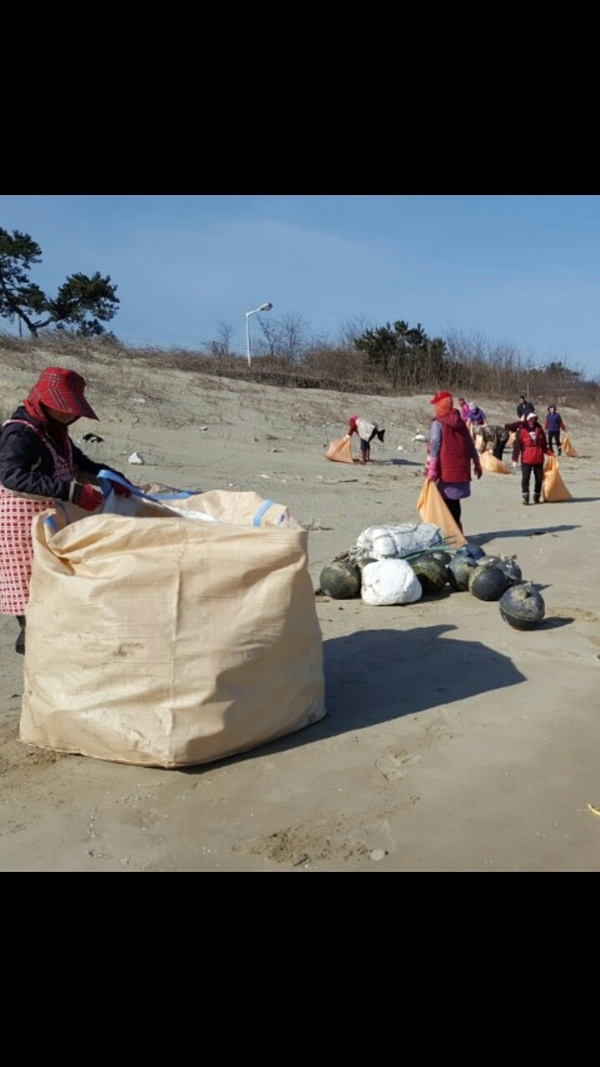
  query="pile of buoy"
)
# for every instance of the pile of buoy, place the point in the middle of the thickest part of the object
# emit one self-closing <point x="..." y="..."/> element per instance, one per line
<point x="466" y="569"/>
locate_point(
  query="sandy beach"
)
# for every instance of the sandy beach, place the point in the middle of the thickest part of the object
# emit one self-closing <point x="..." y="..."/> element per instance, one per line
<point x="452" y="742"/>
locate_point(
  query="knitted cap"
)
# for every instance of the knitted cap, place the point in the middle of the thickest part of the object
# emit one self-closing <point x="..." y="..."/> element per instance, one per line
<point x="444" y="395"/>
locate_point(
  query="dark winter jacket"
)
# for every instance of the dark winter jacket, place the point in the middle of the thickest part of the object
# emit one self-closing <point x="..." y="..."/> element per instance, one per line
<point x="496" y="436"/>
<point x="27" y="465"/>
<point x="554" y="422"/>
<point x="524" y="408"/>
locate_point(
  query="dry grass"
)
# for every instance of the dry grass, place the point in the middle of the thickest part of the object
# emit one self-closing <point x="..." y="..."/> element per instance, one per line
<point x="320" y="370"/>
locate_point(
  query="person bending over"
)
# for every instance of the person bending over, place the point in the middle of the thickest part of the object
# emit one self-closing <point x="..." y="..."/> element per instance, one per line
<point x="366" y="431"/>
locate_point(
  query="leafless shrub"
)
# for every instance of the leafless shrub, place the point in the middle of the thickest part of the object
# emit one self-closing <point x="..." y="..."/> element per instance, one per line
<point x="475" y="367"/>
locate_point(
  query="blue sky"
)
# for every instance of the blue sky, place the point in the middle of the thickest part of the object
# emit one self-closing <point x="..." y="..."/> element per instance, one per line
<point x="511" y="270"/>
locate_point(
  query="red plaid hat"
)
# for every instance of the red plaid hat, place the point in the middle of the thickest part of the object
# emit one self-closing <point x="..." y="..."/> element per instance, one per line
<point x="63" y="390"/>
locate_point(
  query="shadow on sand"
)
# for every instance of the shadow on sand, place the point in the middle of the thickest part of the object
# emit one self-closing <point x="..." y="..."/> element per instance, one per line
<point x="531" y="531"/>
<point x="378" y="676"/>
<point x="382" y="675"/>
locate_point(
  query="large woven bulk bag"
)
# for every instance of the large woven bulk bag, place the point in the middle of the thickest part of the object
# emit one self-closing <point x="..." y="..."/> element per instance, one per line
<point x="166" y="640"/>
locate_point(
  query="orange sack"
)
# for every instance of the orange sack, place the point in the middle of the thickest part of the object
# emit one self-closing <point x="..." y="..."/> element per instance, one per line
<point x="340" y="450"/>
<point x="431" y="506"/>
<point x="554" y="488"/>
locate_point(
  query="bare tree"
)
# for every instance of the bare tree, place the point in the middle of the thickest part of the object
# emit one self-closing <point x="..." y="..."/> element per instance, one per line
<point x="222" y="345"/>
<point x="225" y="332"/>
<point x="285" y="337"/>
<point x="352" y="329"/>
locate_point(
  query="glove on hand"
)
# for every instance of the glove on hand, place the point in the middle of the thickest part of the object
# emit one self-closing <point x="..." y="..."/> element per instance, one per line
<point x="478" y="469"/>
<point x="433" y="470"/>
<point x="88" y="497"/>
<point x="120" y="490"/>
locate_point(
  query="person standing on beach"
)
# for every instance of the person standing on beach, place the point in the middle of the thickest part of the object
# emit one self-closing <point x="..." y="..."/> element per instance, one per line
<point x="450" y="452"/>
<point x="366" y="431"/>
<point x="39" y="465"/>
<point x="532" y="448"/>
<point x="553" y="425"/>
<point x="463" y="407"/>
<point x="523" y="408"/>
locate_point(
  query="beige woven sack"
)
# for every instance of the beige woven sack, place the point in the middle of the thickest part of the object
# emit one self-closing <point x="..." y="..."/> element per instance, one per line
<point x="167" y="641"/>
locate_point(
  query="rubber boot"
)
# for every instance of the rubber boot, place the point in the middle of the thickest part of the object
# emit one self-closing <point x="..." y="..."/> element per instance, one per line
<point x="525" y="498"/>
<point x="20" y="642"/>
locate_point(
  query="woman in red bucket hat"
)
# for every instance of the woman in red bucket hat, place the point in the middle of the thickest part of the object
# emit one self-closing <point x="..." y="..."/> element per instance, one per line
<point x="40" y="464"/>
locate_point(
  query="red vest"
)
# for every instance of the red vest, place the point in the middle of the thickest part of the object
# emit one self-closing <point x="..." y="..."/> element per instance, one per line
<point x="455" y="452"/>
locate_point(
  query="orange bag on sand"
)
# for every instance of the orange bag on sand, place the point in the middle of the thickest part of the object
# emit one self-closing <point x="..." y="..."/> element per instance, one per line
<point x="431" y="506"/>
<point x="340" y="450"/>
<point x="490" y="462"/>
<point x="568" y="448"/>
<point x="553" y="487"/>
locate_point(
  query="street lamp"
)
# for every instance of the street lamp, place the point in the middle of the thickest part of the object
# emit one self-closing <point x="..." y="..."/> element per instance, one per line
<point x="263" y="307"/>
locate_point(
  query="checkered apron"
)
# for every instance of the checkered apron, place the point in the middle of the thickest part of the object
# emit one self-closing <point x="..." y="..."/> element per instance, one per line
<point x="16" y="546"/>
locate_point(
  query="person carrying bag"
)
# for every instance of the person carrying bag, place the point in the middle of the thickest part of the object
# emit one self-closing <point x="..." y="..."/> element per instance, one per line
<point x="450" y="453"/>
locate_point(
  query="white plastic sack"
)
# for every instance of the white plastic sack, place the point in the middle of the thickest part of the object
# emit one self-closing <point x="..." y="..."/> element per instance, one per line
<point x="390" y="581"/>
<point x="397" y="541"/>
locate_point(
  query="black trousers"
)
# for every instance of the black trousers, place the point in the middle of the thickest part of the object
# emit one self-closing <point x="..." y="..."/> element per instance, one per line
<point x="527" y="469"/>
<point x="20" y="642"/>
<point x="454" y="509"/>
<point x="554" y="435"/>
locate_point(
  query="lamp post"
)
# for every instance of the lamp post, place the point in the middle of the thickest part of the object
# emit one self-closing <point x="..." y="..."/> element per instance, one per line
<point x="263" y="307"/>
